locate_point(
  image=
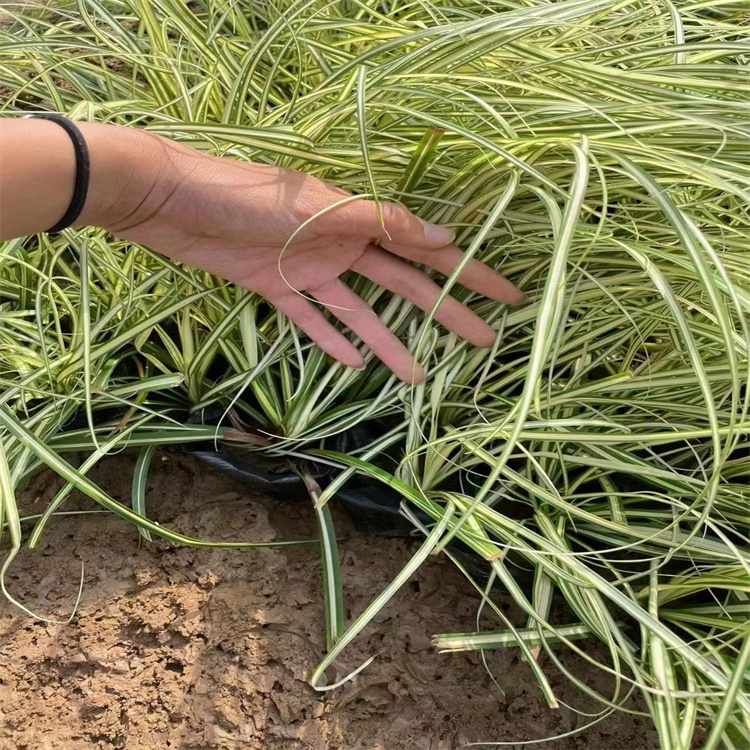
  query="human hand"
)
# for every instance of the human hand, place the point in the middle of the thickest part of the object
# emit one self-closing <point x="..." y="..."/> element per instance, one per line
<point x="233" y="219"/>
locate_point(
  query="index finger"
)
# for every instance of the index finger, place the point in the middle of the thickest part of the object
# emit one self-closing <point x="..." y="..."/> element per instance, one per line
<point x="477" y="276"/>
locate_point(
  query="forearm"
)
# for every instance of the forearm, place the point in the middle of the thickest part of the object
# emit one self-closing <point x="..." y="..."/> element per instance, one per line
<point x="37" y="173"/>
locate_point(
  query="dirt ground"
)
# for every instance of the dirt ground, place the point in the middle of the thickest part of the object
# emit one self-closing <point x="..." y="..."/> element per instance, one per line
<point x="211" y="649"/>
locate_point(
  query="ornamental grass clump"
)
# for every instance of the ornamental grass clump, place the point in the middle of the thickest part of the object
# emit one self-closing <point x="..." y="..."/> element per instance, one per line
<point x="598" y="153"/>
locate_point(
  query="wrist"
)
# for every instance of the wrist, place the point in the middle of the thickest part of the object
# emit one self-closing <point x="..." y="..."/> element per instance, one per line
<point x="129" y="168"/>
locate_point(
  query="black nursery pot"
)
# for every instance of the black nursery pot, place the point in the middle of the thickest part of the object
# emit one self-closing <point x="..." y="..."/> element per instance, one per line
<point x="373" y="506"/>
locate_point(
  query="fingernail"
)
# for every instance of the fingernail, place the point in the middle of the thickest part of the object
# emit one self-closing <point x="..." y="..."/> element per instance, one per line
<point x="435" y="234"/>
<point x="417" y="376"/>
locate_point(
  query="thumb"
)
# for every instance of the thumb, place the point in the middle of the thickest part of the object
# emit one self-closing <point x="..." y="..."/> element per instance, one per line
<point x="392" y="223"/>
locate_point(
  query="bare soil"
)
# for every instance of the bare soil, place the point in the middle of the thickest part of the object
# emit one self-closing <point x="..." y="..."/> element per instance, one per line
<point x="201" y="649"/>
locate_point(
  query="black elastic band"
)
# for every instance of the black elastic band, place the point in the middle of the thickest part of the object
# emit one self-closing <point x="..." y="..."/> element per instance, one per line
<point x="83" y="169"/>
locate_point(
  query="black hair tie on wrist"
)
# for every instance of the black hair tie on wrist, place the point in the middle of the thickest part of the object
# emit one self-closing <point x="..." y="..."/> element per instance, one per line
<point x="83" y="169"/>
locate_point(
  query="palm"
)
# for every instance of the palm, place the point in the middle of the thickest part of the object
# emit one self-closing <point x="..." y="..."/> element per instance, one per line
<point x="273" y="271"/>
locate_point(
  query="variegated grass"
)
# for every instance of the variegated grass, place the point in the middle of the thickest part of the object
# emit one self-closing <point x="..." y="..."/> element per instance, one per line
<point x="596" y="152"/>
